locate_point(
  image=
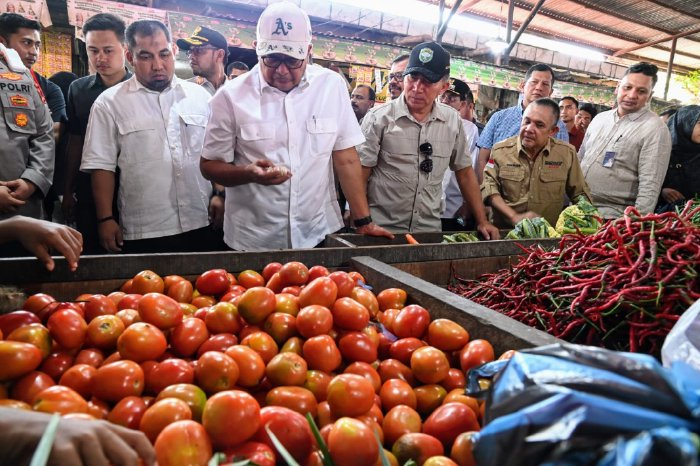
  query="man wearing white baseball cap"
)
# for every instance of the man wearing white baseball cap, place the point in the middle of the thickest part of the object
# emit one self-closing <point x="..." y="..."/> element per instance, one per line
<point x="271" y="138"/>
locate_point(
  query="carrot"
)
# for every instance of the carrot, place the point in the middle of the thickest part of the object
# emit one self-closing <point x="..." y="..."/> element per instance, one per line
<point x="410" y="239"/>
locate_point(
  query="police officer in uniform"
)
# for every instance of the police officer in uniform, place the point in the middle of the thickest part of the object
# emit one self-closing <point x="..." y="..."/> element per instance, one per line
<point x="528" y="175"/>
<point x="26" y="140"/>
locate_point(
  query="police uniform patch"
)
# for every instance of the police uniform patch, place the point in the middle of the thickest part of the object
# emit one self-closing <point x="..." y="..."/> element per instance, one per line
<point x="21" y="119"/>
<point x="19" y="101"/>
<point x="11" y="76"/>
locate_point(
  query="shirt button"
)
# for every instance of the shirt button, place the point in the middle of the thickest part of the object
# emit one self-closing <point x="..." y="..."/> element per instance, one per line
<point x="172" y="147"/>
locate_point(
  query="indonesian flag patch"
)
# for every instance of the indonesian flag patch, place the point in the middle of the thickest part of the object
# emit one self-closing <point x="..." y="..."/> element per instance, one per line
<point x="490" y="163"/>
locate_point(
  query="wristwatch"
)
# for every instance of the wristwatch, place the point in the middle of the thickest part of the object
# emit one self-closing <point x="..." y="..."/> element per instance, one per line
<point x="220" y="193"/>
<point x="360" y="222"/>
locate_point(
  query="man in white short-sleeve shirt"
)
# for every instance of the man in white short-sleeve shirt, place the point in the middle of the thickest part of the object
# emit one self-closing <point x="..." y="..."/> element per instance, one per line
<point x="273" y="139"/>
<point x="151" y="127"/>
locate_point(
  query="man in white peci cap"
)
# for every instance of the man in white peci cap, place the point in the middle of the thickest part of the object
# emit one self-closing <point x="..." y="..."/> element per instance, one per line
<point x="275" y="136"/>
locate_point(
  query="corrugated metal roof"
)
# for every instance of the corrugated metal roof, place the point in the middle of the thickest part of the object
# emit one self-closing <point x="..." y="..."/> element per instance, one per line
<point x="609" y="25"/>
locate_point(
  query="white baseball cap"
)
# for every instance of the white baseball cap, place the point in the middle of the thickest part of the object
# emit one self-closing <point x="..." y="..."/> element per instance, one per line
<point x="283" y="28"/>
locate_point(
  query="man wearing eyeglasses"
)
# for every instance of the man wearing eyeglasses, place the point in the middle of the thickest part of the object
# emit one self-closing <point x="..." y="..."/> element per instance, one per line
<point x="274" y="137"/>
<point x="410" y="143"/>
<point x="207" y="51"/>
<point x="396" y="75"/>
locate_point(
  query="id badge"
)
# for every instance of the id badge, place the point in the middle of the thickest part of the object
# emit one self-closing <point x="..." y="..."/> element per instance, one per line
<point x="609" y="159"/>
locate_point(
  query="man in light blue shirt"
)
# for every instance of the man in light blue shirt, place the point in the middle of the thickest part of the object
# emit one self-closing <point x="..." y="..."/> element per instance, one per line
<point x="539" y="83"/>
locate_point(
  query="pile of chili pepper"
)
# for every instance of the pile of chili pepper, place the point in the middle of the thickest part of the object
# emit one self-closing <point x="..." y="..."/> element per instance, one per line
<point x="622" y="288"/>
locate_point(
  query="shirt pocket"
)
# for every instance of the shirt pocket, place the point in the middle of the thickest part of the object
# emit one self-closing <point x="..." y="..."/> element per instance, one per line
<point x="19" y="113"/>
<point x="139" y="141"/>
<point x="192" y="134"/>
<point x="512" y="180"/>
<point x="322" y="135"/>
<point x="552" y="183"/>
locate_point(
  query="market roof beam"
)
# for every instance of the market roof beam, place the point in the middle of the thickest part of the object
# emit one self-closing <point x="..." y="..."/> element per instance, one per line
<point x="523" y="27"/>
<point x="654" y="42"/>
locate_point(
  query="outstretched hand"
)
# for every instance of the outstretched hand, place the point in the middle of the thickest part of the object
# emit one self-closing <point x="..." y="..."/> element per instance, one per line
<point x="267" y="173"/>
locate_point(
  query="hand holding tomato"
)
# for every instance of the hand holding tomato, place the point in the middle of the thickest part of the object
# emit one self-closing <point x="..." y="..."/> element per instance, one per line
<point x="265" y="172"/>
<point x="77" y="441"/>
<point x="372" y="229"/>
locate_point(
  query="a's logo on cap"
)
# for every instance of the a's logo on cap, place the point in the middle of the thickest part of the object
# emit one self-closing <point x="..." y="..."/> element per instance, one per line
<point x="425" y="55"/>
<point x="282" y="28"/>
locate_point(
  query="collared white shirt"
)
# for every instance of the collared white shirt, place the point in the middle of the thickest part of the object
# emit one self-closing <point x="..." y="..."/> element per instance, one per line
<point x="252" y="120"/>
<point x="452" y="196"/>
<point x="155" y="139"/>
<point x="638" y="148"/>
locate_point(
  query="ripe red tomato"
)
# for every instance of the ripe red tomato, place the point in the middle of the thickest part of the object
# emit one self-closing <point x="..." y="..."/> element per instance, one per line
<point x="344" y="283"/>
<point x="412" y="321"/>
<point x="293" y="345"/>
<point x="286" y="369"/>
<point x="462" y="449"/>
<point x="290" y="428"/>
<point x="190" y="394"/>
<point x="455" y="379"/>
<point x="59" y="399"/>
<point x="169" y="372"/>
<point x="216" y="372"/>
<point x="396" y="392"/>
<point x="447" y="335"/>
<point x="322" y="291"/>
<point x="394" y="369"/>
<point x="321" y="353"/>
<point x="223" y="317"/>
<point x="147" y="281"/>
<point x="161" y="414"/>
<point x="271" y="269"/>
<point x="417" y="447"/>
<point x="367" y="299"/>
<point x="297" y="399"/>
<point x="17" y="359"/>
<point x="367" y="371"/>
<point x="349" y="314"/>
<point x="429" y="397"/>
<point x="256" y="304"/>
<point x="36" y="334"/>
<point x="287" y="303"/>
<point x="255" y="452"/>
<point x="219" y="342"/>
<point x="450" y="420"/>
<point x="79" y="378"/>
<point x="181" y="291"/>
<point x="429" y="365"/>
<point x="160" y="310"/>
<point x="183" y="442"/>
<point x="294" y="273"/>
<point x="318" y="271"/>
<point x="104" y="330"/>
<point x="55" y="364"/>
<point x="262" y="343"/>
<point x="29" y="385"/>
<point x="129" y="301"/>
<point x="314" y="320"/>
<point x="67" y="328"/>
<point x="186" y="338"/>
<point x="90" y="356"/>
<point x="356" y="346"/>
<point x="350" y="395"/>
<point x="128" y="412"/>
<point x="403" y="348"/>
<point x="391" y="298"/>
<point x="399" y="420"/>
<point x="351" y="442"/>
<point x="317" y="383"/>
<point x="251" y="366"/>
<point x="141" y="342"/>
<point x="38" y="303"/>
<point x="117" y="380"/>
<point x="475" y="353"/>
<point x="128" y="316"/>
<point x="230" y="418"/>
<point x="213" y="282"/>
<point x="99" y="305"/>
<point x="293" y="290"/>
<point x="9" y="322"/>
<point x="250" y="279"/>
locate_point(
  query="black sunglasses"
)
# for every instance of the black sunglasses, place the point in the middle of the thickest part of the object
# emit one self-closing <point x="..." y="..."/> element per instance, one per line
<point x="426" y="165"/>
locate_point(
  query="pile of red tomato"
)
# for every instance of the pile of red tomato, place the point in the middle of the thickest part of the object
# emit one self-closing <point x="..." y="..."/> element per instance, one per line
<point x="211" y="366"/>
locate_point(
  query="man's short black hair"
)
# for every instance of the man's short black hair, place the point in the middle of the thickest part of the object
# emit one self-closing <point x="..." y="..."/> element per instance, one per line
<point x="568" y="97"/>
<point x="371" y="94"/>
<point x="586" y="107"/>
<point x="106" y="22"/>
<point x="145" y="28"/>
<point x="539" y="67"/>
<point x="547" y="102"/>
<point x="10" y="23"/>
<point x="236" y="65"/>
<point x="647" y="69"/>
<point x="400" y="58"/>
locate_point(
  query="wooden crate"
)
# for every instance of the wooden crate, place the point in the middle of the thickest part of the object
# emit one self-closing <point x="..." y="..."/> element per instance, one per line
<point x="357" y="240"/>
